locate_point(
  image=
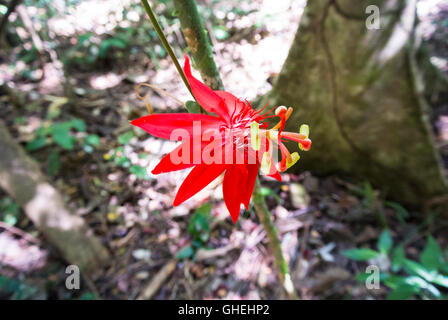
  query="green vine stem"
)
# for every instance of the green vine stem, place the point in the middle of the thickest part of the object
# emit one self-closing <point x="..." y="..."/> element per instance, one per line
<point x="165" y="43"/>
<point x="198" y="42"/>
<point x="265" y="217"/>
<point x="200" y="46"/>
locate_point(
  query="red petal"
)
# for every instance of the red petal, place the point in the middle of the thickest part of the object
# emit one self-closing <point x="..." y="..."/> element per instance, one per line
<point x="274" y="172"/>
<point x="234" y="179"/>
<point x="232" y="104"/>
<point x="205" y="96"/>
<point x="166" y="165"/>
<point x="276" y="176"/>
<point x="195" y="156"/>
<point x="162" y="124"/>
<point x="252" y="173"/>
<point x="198" y="179"/>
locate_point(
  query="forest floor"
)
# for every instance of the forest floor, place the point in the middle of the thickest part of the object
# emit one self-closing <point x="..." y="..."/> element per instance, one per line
<point x="195" y="248"/>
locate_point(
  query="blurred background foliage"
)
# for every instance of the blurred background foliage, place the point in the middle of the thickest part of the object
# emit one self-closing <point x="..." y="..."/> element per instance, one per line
<point x="68" y="76"/>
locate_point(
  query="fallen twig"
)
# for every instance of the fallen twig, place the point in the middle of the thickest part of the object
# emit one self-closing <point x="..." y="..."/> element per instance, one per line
<point x="157" y="281"/>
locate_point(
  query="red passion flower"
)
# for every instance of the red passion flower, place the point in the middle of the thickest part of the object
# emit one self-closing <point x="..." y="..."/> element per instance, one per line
<point x="235" y="141"/>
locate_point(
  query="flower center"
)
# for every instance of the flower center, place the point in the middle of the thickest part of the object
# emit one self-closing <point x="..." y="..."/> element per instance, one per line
<point x="275" y="138"/>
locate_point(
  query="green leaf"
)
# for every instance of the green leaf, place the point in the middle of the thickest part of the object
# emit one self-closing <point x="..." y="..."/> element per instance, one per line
<point x="265" y="191"/>
<point x="401" y="212"/>
<point x="139" y="171"/>
<point x="64" y="140"/>
<point x="369" y="195"/>
<point x="441" y="280"/>
<point x="117" y="42"/>
<point x="415" y="268"/>
<point x="385" y="242"/>
<point x="193" y="107"/>
<point x="20" y="120"/>
<point x="185" y="253"/>
<point x="198" y="226"/>
<point x="205" y="209"/>
<point x="431" y="257"/>
<point x="401" y="287"/>
<point x="398" y="257"/>
<point x="84" y="37"/>
<point x="112" y="42"/>
<point x="360" y="254"/>
<point x="78" y="124"/>
<point x="10" y="219"/>
<point x="220" y="33"/>
<point x="123" y="162"/>
<point x="36" y="143"/>
<point x="43" y="131"/>
<point x="420" y="284"/>
<point x="93" y="139"/>
<point x="54" y="163"/>
<point x="88" y="296"/>
<point x="402" y="292"/>
<point x="362" y="276"/>
<point x="10" y="211"/>
<point x="394" y="282"/>
<point x="19" y="290"/>
<point x="124" y="138"/>
<point x="61" y="135"/>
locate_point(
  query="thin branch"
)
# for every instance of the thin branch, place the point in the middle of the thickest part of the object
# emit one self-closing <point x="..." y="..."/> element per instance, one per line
<point x="265" y="217"/>
<point x="165" y="43"/>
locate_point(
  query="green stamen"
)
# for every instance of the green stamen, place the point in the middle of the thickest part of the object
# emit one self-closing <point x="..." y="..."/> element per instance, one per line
<point x="305" y="130"/>
<point x="265" y="163"/>
<point x="292" y="160"/>
<point x="255" y="136"/>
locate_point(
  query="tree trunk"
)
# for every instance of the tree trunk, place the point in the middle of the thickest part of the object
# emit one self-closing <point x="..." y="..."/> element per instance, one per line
<point x="360" y="92"/>
<point x="42" y="203"/>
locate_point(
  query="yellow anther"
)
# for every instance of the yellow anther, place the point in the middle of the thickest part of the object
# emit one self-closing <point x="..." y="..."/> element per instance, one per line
<point x="292" y="160"/>
<point x="305" y="130"/>
<point x="272" y="135"/>
<point x="265" y="166"/>
<point x="289" y="162"/>
<point x="255" y="136"/>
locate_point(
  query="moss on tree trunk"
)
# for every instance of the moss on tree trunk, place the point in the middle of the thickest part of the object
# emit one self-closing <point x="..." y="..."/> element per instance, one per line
<point x="359" y="91"/>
